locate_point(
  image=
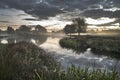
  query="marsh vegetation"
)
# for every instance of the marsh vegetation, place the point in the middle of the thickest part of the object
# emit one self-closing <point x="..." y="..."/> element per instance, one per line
<point x="19" y="61"/>
<point x="25" y="61"/>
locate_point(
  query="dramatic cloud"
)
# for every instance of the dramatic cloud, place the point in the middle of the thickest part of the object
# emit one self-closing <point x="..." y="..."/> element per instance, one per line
<point x="101" y="13"/>
<point x="63" y="9"/>
<point x="46" y="8"/>
<point x="31" y="19"/>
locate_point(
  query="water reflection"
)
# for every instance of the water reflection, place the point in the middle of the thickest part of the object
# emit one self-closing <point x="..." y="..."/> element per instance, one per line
<point x="86" y="58"/>
<point x="38" y="40"/>
<point x="4" y="41"/>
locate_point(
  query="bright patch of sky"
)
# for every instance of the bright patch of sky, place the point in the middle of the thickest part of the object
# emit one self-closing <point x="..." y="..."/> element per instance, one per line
<point x="116" y="24"/>
<point x="51" y="23"/>
<point x="112" y="9"/>
<point x="13" y="17"/>
<point x="112" y="27"/>
<point x="102" y="20"/>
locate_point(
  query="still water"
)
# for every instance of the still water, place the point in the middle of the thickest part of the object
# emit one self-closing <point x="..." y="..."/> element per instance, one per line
<point x="67" y="56"/>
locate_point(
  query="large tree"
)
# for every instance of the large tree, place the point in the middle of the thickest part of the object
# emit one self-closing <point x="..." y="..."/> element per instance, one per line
<point x="80" y="25"/>
<point x="69" y="29"/>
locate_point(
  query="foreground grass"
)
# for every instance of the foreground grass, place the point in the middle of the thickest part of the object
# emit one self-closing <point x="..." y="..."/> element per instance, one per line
<point x="75" y="73"/>
<point x="25" y="61"/>
<point x="19" y="61"/>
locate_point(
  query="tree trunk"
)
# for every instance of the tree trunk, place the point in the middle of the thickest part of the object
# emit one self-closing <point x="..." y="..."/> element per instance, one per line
<point x="70" y="35"/>
<point x="78" y="33"/>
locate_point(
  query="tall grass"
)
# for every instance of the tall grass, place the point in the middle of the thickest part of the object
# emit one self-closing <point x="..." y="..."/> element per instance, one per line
<point x="18" y="61"/>
<point x="75" y="73"/>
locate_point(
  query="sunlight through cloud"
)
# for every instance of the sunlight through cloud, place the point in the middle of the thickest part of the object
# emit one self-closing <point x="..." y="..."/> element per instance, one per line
<point x="102" y="20"/>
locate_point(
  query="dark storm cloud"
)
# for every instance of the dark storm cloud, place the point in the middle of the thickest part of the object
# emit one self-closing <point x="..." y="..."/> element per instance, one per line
<point x="21" y="14"/>
<point x="47" y="8"/>
<point x="101" y="13"/>
<point x="43" y="11"/>
<point x="32" y="7"/>
<point x="4" y="22"/>
<point x="3" y="5"/>
<point x="31" y="19"/>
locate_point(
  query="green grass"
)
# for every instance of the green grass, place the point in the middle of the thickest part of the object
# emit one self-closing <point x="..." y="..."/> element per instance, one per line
<point x="109" y="46"/>
<point x="73" y="44"/>
<point x="18" y="61"/>
<point x="75" y="73"/>
<point x="25" y="61"/>
<point x="69" y="43"/>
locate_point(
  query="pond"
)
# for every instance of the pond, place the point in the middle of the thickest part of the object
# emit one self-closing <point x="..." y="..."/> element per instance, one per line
<point x="67" y="56"/>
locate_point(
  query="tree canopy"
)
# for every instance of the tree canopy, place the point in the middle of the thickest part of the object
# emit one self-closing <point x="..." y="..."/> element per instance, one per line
<point x="78" y="26"/>
<point x="70" y="29"/>
<point x="40" y="28"/>
<point x="10" y="30"/>
<point x="24" y="28"/>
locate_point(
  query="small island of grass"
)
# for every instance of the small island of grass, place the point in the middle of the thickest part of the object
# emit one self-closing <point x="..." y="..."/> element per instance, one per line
<point x="100" y="45"/>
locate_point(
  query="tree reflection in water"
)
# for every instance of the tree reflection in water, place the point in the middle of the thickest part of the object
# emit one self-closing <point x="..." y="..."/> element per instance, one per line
<point x="36" y="39"/>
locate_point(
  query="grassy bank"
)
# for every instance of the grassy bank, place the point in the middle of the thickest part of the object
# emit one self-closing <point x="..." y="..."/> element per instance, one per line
<point x="25" y="61"/>
<point x="109" y="46"/>
<point x="72" y="43"/>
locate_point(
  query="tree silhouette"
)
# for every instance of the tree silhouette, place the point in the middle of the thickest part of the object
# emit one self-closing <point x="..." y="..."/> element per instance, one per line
<point x="41" y="29"/>
<point x="69" y="29"/>
<point x="80" y="25"/>
<point x="24" y="28"/>
<point x="10" y="30"/>
<point x="0" y="31"/>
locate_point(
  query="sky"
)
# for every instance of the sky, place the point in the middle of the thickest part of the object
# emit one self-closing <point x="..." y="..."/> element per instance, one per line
<point x="58" y="13"/>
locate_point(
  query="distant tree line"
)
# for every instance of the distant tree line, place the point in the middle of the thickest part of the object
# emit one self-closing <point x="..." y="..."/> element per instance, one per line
<point x="38" y="29"/>
<point x="25" y="29"/>
<point x="78" y="26"/>
<point x="9" y="30"/>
